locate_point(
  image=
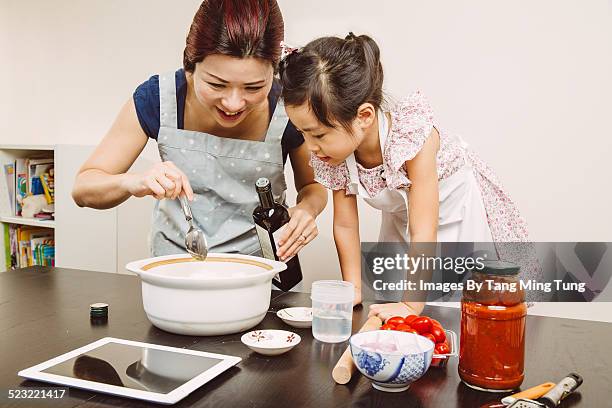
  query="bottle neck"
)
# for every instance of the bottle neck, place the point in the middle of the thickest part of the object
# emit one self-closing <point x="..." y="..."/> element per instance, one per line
<point x="266" y="199"/>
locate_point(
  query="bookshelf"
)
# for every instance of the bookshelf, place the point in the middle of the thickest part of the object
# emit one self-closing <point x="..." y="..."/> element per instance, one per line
<point x="36" y="234"/>
<point x="87" y="239"/>
<point x="76" y="231"/>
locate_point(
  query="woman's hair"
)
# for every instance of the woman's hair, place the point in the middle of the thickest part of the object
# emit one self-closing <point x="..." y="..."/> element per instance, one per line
<point x="238" y="28"/>
<point x="334" y="76"/>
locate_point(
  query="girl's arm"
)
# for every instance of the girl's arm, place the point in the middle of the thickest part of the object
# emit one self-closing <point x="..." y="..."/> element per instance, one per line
<point x="346" y="236"/>
<point x="102" y="181"/>
<point x="423" y="206"/>
<point x="312" y="196"/>
<point x="423" y="209"/>
<point x="311" y="200"/>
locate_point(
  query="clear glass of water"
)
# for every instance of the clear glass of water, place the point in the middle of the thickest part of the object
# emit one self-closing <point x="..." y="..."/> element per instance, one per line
<point x="332" y="310"/>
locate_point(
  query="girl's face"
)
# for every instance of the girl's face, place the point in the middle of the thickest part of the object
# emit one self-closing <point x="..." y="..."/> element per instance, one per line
<point x="332" y="145"/>
<point x="230" y="88"/>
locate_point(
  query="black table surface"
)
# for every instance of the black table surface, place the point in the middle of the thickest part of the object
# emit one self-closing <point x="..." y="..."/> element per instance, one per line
<point x="44" y="312"/>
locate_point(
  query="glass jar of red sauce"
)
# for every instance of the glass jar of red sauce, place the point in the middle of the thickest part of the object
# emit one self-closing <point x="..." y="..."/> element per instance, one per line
<point x="492" y="345"/>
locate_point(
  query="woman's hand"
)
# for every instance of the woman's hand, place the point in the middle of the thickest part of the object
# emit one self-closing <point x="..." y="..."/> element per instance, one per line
<point x="164" y="180"/>
<point x="388" y="310"/>
<point x="299" y="231"/>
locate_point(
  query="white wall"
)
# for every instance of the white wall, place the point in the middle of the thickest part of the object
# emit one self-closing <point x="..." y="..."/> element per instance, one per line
<point x="526" y="83"/>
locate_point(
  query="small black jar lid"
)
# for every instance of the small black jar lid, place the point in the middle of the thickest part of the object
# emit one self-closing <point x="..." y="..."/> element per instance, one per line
<point x="98" y="310"/>
<point x="497" y="267"/>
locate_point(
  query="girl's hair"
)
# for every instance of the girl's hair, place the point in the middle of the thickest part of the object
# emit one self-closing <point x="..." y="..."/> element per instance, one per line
<point x="239" y="28"/>
<point x="334" y="76"/>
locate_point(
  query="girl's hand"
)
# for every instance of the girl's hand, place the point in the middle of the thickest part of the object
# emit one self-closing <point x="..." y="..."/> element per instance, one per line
<point x="388" y="310"/>
<point x="164" y="180"/>
<point x="299" y="231"/>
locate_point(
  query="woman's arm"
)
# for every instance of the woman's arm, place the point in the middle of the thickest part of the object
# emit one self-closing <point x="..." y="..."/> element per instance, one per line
<point x="102" y="181"/>
<point x="346" y="236"/>
<point x="311" y="200"/>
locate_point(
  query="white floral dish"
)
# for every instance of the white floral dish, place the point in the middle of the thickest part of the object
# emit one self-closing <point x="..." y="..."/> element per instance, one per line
<point x="270" y="342"/>
<point x="300" y="317"/>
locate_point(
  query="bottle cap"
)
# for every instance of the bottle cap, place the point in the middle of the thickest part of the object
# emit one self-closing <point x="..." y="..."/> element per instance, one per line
<point x="98" y="310"/>
<point x="262" y="184"/>
<point x="497" y="267"/>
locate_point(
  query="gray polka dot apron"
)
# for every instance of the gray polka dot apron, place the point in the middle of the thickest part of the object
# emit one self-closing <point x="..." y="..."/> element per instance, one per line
<point x="222" y="172"/>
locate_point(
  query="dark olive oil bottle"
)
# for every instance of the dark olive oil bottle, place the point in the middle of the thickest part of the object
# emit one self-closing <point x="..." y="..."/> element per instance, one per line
<point x="269" y="218"/>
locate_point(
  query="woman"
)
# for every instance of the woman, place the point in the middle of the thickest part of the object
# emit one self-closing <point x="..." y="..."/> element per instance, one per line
<point x="219" y="128"/>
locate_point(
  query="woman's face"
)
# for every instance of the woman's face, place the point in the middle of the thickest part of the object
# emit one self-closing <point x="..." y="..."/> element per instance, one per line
<point x="332" y="145"/>
<point x="230" y="87"/>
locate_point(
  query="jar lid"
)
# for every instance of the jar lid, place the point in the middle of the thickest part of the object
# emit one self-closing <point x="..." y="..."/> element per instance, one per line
<point x="332" y="291"/>
<point x="498" y="267"/>
<point x="98" y="310"/>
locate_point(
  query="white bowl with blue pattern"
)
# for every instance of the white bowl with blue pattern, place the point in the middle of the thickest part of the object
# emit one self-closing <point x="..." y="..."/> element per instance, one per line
<point x="391" y="359"/>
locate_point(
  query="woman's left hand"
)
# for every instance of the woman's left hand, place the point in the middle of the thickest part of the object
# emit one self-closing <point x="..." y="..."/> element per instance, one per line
<point x="299" y="231"/>
<point x="387" y="310"/>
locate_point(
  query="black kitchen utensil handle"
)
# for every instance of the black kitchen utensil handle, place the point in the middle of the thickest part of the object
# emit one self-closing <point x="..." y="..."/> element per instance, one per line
<point x="565" y="387"/>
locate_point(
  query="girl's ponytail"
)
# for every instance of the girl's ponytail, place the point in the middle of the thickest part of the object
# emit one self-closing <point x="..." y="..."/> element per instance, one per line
<point x="372" y="63"/>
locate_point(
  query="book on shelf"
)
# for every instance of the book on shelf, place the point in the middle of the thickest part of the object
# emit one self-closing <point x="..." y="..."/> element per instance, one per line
<point x="25" y="177"/>
<point x="21" y="186"/>
<point x="28" y="246"/>
<point x="36" y="168"/>
<point x="7" y="189"/>
<point x="7" y="246"/>
<point x="48" y="185"/>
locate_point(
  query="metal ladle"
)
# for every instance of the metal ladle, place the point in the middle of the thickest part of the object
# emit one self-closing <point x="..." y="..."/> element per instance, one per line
<point x="195" y="240"/>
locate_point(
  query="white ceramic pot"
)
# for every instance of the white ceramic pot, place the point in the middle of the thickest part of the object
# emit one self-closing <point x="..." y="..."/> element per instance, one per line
<point x="227" y="293"/>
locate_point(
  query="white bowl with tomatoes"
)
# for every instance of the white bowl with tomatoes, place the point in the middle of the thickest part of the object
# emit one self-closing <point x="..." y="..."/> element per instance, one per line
<point x="445" y="341"/>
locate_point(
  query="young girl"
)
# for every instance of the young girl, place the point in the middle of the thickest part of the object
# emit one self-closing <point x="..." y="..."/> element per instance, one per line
<point x="429" y="186"/>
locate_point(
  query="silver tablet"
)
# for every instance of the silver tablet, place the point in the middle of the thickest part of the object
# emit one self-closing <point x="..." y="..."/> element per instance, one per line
<point x="133" y="369"/>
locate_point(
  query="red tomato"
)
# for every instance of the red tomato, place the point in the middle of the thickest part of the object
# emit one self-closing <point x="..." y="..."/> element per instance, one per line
<point x="438" y="334"/>
<point x="436" y="323"/>
<point x="405" y="328"/>
<point x="421" y="324"/>
<point x="410" y="318"/>
<point x="442" y="348"/>
<point x="396" y="320"/>
<point x="430" y="337"/>
<point x="387" y="327"/>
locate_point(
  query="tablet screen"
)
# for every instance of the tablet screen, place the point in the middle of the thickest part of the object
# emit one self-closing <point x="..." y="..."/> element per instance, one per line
<point x="134" y="367"/>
